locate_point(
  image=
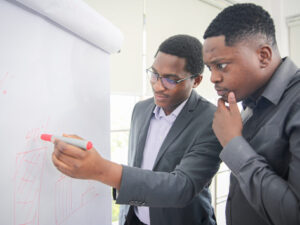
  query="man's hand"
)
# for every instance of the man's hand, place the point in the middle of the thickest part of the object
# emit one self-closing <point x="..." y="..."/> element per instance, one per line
<point x="227" y="122"/>
<point x="85" y="164"/>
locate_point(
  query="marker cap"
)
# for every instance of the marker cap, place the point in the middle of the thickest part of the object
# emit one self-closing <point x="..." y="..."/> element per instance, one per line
<point x="89" y="145"/>
<point x="46" y="137"/>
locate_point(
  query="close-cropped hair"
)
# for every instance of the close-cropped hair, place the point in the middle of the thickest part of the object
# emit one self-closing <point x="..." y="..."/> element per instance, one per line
<point x="187" y="47"/>
<point x="240" y="22"/>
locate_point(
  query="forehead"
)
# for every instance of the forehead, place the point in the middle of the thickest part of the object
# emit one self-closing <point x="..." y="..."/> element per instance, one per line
<point x="166" y="63"/>
<point x="214" y="49"/>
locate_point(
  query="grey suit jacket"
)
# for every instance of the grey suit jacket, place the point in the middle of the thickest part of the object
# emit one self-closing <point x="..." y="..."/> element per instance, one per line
<point x="177" y="189"/>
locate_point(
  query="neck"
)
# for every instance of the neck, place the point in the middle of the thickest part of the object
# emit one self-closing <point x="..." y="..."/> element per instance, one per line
<point x="277" y="60"/>
<point x="169" y="110"/>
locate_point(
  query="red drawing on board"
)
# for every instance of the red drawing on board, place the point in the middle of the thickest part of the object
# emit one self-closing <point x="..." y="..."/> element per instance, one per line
<point x="30" y="168"/>
<point x="3" y="80"/>
<point x="66" y="202"/>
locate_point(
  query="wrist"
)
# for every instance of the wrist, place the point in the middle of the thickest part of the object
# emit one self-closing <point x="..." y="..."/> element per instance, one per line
<point x="227" y="140"/>
<point x="109" y="173"/>
<point x="100" y="168"/>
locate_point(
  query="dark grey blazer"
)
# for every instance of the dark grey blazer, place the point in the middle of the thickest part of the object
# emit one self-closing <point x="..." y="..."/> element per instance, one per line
<point x="177" y="189"/>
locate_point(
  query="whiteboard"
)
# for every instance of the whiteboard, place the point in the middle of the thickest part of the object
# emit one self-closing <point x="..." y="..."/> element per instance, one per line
<point x="51" y="81"/>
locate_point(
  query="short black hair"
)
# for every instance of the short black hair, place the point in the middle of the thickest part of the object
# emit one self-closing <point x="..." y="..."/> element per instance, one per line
<point x="187" y="47"/>
<point x="241" y="21"/>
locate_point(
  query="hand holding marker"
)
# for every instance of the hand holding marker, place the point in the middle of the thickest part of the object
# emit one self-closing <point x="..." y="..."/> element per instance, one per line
<point x="86" y="145"/>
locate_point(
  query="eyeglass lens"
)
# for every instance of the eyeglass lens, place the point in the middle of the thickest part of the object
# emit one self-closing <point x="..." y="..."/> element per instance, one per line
<point x="167" y="83"/>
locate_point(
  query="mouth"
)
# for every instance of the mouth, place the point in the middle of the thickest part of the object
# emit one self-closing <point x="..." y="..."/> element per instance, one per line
<point x="221" y="91"/>
<point x="160" y="97"/>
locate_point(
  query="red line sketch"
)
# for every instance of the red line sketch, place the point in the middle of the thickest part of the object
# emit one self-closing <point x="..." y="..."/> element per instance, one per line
<point x="3" y="80"/>
<point x="67" y="203"/>
<point x="30" y="166"/>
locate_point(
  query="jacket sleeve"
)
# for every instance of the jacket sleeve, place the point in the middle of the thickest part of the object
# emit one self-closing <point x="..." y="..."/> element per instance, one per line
<point x="176" y="188"/>
<point x="276" y="199"/>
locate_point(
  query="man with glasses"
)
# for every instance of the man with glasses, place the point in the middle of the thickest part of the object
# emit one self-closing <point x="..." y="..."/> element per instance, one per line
<point x="173" y="153"/>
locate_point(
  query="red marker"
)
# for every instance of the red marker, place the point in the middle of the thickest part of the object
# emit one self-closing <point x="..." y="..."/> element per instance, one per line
<point x="73" y="141"/>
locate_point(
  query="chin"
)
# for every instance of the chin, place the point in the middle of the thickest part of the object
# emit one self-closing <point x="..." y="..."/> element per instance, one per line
<point x="159" y="103"/>
<point x="225" y="98"/>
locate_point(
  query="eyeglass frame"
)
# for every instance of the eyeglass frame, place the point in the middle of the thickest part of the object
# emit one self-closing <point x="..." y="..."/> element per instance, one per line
<point x="150" y="70"/>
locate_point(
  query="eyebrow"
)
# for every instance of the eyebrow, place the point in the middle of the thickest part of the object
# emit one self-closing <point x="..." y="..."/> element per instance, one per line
<point x="165" y="75"/>
<point x="216" y="61"/>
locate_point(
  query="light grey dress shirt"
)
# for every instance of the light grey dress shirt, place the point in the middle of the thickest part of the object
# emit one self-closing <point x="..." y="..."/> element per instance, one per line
<point x="159" y="127"/>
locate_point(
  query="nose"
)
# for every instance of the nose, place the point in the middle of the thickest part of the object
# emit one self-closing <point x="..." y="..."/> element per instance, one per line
<point x="158" y="85"/>
<point x="215" y="76"/>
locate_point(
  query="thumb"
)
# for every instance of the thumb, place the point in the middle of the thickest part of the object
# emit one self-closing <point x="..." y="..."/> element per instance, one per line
<point x="232" y="103"/>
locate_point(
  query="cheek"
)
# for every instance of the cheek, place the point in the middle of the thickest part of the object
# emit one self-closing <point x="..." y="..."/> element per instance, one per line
<point x="237" y="85"/>
<point x="179" y="96"/>
<point x="245" y="89"/>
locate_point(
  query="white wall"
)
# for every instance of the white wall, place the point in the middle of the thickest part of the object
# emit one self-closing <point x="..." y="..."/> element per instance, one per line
<point x="291" y="7"/>
<point x="145" y="24"/>
<point x="127" y="75"/>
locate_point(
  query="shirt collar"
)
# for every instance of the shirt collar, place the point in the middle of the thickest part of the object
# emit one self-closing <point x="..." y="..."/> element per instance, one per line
<point x="159" y="112"/>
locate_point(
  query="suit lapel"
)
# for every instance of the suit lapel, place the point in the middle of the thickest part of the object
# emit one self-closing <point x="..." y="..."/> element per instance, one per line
<point x="142" y="136"/>
<point x="183" y="119"/>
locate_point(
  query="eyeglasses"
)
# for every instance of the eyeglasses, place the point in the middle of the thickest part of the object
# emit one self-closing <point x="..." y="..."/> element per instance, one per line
<point x="167" y="82"/>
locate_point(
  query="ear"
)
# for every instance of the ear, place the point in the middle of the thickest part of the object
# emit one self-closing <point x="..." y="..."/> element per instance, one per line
<point x="265" y="56"/>
<point x="197" y="80"/>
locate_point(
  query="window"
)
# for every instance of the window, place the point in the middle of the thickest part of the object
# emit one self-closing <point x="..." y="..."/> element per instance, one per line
<point x="219" y="189"/>
<point x="121" y="110"/>
<point x="294" y="34"/>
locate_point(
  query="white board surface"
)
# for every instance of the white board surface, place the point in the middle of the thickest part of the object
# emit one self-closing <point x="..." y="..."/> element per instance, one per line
<point x="51" y="81"/>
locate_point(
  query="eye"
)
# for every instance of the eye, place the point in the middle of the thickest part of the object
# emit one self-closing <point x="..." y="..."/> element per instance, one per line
<point x="169" y="80"/>
<point x="221" y="66"/>
<point x="208" y="67"/>
<point x="152" y="74"/>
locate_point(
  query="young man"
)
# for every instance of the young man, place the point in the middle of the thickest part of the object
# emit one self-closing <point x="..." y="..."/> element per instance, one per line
<point x="263" y="149"/>
<point x="173" y="153"/>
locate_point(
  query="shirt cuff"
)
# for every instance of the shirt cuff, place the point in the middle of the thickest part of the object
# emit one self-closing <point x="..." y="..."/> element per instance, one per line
<point x="236" y="153"/>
